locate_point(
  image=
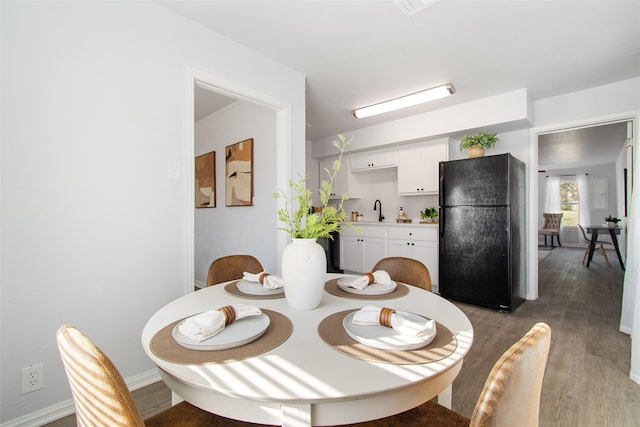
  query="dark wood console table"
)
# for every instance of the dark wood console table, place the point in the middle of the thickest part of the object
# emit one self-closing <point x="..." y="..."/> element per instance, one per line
<point x="595" y="230"/>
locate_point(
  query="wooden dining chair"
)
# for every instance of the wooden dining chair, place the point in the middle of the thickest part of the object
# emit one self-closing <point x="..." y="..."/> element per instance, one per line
<point x="406" y="270"/>
<point x="551" y="227"/>
<point x="231" y="267"/>
<point x="101" y="396"/>
<point x="601" y="243"/>
<point x="510" y="397"/>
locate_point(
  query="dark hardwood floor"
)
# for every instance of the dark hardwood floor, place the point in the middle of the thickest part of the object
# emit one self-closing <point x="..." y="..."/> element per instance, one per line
<point x="587" y="378"/>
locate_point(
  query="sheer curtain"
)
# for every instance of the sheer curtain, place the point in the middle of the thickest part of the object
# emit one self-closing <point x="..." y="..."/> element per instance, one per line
<point x="585" y="200"/>
<point x="552" y="195"/>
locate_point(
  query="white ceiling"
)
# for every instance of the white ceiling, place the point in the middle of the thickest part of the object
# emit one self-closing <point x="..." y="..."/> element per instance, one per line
<point x="357" y="53"/>
<point x="598" y="145"/>
<point x="207" y="102"/>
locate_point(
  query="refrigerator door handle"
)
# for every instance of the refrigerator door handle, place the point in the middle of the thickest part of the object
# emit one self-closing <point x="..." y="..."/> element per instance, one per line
<point x="441" y="185"/>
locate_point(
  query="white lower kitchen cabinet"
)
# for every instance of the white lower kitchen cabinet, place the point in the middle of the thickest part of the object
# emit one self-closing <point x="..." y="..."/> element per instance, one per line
<point x="360" y="252"/>
<point x="417" y="243"/>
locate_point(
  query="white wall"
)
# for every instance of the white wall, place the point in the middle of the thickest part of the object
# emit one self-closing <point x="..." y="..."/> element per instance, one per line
<point x="93" y="231"/>
<point x="584" y="105"/>
<point x="213" y="236"/>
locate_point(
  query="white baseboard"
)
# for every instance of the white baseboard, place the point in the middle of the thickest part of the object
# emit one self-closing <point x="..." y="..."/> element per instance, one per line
<point x="200" y="284"/>
<point x="65" y="408"/>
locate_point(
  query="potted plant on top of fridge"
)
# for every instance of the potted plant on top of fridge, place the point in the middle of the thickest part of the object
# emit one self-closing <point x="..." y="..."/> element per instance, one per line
<point x="475" y="144"/>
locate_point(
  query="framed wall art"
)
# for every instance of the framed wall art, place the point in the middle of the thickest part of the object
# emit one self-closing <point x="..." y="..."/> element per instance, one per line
<point x="206" y="180"/>
<point x="239" y="174"/>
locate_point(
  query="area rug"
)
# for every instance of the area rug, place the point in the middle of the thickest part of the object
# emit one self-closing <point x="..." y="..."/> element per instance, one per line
<point x="542" y="254"/>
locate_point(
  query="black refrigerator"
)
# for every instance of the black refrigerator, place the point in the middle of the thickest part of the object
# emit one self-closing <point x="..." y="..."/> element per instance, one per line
<point x="482" y="231"/>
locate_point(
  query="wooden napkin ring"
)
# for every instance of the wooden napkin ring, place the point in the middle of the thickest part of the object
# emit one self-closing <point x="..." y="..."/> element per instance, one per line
<point x="385" y="316"/>
<point x="370" y="277"/>
<point x="229" y="314"/>
<point x="262" y="277"/>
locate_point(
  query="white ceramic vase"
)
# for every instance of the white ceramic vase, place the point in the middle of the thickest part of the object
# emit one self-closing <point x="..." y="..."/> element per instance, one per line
<point x="304" y="271"/>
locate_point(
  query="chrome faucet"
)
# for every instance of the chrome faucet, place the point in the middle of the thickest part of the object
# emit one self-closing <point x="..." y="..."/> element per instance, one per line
<point x="379" y="204"/>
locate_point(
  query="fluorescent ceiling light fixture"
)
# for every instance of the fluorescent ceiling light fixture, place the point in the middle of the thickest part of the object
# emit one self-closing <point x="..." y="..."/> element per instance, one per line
<point x="411" y="7"/>
<point x="405" y="101"/>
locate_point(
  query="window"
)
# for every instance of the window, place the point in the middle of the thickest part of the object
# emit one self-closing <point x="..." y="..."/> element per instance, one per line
<point x="569" y="201"/>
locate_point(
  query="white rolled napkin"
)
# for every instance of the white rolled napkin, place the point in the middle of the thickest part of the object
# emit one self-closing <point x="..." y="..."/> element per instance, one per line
<point x="265" y="279"/>
<point x="370" y="316"/>
<point x="205" y="325"/>
<point x="380" y="277"/>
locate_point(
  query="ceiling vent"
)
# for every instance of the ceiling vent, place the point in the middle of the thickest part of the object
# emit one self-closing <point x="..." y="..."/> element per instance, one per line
<point x="411" y="7"/>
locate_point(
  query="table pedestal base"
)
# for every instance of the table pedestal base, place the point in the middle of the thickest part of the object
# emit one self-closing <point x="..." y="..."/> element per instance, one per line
<point x="336" y="412"/>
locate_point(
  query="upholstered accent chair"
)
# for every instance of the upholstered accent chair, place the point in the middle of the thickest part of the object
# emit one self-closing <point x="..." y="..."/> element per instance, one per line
<point x="406" y="270"/>
<point x="602" y="243"/>
<point x="511" y="394"/>
<point x="101" y="396"/>
<point x="231" y="267"/>
<point x="551" y="227"/>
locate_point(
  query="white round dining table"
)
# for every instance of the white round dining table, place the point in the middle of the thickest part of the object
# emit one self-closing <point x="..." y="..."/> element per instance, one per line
<point x="304" y="381"/>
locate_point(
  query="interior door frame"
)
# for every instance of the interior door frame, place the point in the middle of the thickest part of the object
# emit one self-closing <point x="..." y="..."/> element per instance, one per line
<point x="633" y="116"/>
<point x="283" y="151"/>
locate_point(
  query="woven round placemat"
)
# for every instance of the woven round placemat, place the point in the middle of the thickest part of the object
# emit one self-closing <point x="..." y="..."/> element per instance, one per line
<point x="165" y="346"/>
<point x="331" y="286"/>
<point x="332" y="332"/>
<point x="232" y="288"/>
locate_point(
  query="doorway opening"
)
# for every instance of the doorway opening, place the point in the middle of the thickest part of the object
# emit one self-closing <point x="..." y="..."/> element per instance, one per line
<point x="534" y="212"/>
<point x="197" y="79"/>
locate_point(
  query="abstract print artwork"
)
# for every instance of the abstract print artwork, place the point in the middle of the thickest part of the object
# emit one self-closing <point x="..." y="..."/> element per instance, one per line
<point x="206" y="180"/>
<point x="239" y="174"/>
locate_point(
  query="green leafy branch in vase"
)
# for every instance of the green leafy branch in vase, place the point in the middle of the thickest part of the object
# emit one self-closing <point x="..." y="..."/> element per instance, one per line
<point x="305" y="223"/>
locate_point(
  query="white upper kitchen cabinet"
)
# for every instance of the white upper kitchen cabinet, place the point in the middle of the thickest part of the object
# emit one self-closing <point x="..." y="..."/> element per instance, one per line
<point x="418" y="167"/>
<point x="374" y="160"/>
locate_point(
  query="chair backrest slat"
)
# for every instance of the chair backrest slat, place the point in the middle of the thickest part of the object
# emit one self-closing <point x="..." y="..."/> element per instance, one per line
<point x="100" y="394"/>
<point x="552" y="221"/>
<point x="231" y="267"/>
<point x="511" y="394"/>
<point x="406" y="270"/>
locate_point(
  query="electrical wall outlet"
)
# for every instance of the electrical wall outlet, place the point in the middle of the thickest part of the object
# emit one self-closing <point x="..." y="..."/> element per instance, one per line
<point x="32" y="378"/>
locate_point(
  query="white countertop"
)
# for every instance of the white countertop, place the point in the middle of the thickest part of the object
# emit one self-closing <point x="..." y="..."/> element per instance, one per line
<point x="414" y="223"/>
